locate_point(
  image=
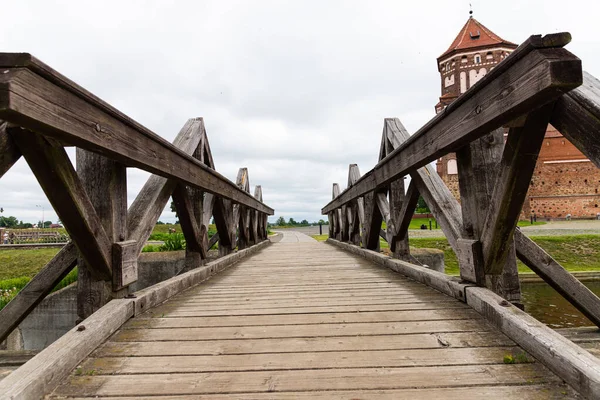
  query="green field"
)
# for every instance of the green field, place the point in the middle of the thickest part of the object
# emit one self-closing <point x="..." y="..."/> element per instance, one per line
<point x="17" y="267"/>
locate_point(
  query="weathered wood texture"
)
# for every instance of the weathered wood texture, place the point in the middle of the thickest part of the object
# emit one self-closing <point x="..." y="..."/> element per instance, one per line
<point x="44" y="372"/>
<point x="105" y="182"/>
<point x="528" y="79"/>
<point x="9" y="152"/>
<point x="41" y="374"/>
<point x="367" y="331"/>
<point x="572" y="363"/>
<point x="512" y="183"/>
<point x="577" y="116"/>
<point x="66" y="192"/>
<point x="37" y="289"/>
<point x="478" y="164"/>
<point x="34" y="96"/>
<point x="154" y="196"/>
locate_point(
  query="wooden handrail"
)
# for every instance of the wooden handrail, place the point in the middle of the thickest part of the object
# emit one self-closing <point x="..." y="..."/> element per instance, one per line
<point x="537" y="73"/>
<point x="36" y="97"/>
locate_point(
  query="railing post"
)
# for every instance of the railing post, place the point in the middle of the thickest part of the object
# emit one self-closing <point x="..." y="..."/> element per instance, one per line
<point x="105" y="181"/>
<point x="477" y="171"/>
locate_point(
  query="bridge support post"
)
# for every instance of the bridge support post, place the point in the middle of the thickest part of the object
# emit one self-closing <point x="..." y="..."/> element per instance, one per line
<point x="477" y="172"/>
<point x="105" y="182"/>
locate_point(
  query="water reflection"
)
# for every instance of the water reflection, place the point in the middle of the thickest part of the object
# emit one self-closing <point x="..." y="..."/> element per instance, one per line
<point x="549" y="307"/>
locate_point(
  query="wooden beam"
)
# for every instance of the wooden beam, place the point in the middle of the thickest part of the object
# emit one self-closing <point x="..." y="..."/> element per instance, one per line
<point x="65" y="191"/>
<point x="105" y="182"/>
<point x="37" y="289"/>
<point x="515" y="170"/>
<point x="223" y="214"/>
<point x="154" y="196"/>
<point x="125" y="264"/>
<point x="196" y="237"/>
<point x="405" y="214"/>
<point x="559" y="278"/>
<point x="478" y="165"/>
<point x="372" y="224"/>
<point x="577" y="116"/>
<point x="59" y="109"/>
<point x="9" y="152"/>
<point x="506" y="92"/>
<point x="443" y="205"/>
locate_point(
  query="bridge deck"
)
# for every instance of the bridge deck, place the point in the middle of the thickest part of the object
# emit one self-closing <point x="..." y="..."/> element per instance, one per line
<point x="302" y="319"/>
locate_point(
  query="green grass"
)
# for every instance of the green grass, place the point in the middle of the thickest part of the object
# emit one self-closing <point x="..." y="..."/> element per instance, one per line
<point x="24" y="263"/>
<point x="574" y="252"/>
<point x="161" y="232"/>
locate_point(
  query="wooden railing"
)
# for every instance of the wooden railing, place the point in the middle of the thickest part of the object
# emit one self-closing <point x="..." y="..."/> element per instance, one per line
<point x="538" y="84"/>
<point x="41" y="112"/>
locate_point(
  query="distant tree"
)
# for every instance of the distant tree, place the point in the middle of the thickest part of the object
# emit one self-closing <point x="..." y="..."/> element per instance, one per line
<point x="292" y="222"/>
<point x="159" y="223"/>
<point x="304" y="222"/>
<point x="1" y="210"/>
<point x="174" y="209"/>
<point x="422" y="207"/>
<point x="8" y="222"/>
<point x="280" y="222"/>
<point x="321" y="222"/>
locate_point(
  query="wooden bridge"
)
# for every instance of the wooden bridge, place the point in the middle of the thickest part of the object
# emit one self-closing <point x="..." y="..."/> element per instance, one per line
<point x="298" y="318"/>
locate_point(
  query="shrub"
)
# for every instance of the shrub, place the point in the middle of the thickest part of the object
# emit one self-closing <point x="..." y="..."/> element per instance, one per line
<point x="173" y="242"/>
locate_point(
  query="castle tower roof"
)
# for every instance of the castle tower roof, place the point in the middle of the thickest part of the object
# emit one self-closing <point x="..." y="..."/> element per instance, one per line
<point x="474" y="35"/>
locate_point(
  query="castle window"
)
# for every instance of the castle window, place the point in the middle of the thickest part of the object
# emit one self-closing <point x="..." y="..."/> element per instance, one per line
<point x="463" y="59"/>
<point x="477" y="59"/>
<point x="448" y="66"/>
<point x="452" y="167"/>
<point x="489" y="55"/>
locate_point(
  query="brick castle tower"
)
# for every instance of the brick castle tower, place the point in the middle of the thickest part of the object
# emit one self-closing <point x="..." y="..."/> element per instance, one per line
<point x="564" y="181"/>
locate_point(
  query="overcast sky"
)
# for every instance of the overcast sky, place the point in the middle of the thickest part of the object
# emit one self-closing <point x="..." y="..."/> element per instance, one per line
<point x="293" y="90"/>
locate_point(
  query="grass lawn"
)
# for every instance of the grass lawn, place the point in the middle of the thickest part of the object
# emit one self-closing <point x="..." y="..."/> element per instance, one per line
<point x="416" y="223"/>
<point x="24" y="263"/>
<point x="575" y="253"/>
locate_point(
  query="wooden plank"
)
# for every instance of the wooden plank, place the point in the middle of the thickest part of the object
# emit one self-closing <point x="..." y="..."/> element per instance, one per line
<point x="406" y="212"/>
<point x="576" y="366"/>
<point x="282" y="331"/>
<point x="9" y="152"/>
<point x="324" y="379"/>
<point x="512" y="183"/>
<point x="45" y="371"/>
<point x="66" y="193"/>
<point x="154" y="196"/>
<point x="156" y="294"/>
<point x="304" y="319"/>
<point x="60" y="111"/>
<point x="506" y="92"/>
<point x="521" y="392"/>
<point x="298" y="361"/>
<point x="577" y="116"/>
<point x="556" y="276"/>
<point x="402" y="305"/>
<point x="37" y="289"/>
<point x="291" y="345"/>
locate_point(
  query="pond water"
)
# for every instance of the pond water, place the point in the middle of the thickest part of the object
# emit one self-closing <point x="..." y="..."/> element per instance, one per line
<point x="549" y="307"/>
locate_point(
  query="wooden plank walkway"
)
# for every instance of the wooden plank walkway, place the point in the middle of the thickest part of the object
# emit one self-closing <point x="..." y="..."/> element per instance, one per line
<point x="303" y="319"/>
